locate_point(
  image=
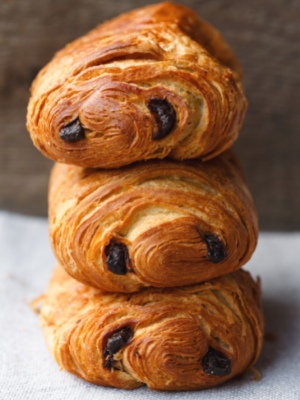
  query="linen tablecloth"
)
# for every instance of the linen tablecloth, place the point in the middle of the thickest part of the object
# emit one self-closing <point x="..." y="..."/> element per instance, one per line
<point x="27" y="371"/>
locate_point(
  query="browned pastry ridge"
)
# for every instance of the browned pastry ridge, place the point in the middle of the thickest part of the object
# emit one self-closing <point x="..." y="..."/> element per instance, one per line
<point x="191" y="337"/>
<point x="152" y="83"/>
<point x="157" y="223"/>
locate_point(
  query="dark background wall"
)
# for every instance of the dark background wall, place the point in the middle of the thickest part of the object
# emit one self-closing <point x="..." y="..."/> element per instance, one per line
<point x="265" y="35"/>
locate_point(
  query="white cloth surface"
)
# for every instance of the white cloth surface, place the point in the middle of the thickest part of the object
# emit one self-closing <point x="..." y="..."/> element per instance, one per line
<point x="27" y="371"/>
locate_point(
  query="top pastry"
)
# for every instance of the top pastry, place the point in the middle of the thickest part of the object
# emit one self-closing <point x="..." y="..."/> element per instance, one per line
<point x="151" y="83"/>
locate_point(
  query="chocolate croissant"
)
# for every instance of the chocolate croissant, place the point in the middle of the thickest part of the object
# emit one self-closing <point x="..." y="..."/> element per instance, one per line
<point x="183" y="338"/>
<point x="157" y="223"/>
<point x="152" y="83"/>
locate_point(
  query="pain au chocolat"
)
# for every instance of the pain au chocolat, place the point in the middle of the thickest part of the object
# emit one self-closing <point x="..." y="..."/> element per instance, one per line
<point x="185" y="338"/>
<point x="154" y="82"/>
<point x="157" y="223"/>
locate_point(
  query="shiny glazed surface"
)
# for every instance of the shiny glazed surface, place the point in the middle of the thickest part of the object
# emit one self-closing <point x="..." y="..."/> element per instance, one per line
<point x="157" y="223"/>
<point x="166" y="333"/>
<point x="107" y="80"/>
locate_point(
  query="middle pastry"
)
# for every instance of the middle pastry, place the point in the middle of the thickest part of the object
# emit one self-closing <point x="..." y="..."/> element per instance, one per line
<point x="157" y="223"/>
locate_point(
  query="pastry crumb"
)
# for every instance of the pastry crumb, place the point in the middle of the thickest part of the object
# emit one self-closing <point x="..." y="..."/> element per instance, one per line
<point x="37" y="303"/>
<point x="257" y="375"/>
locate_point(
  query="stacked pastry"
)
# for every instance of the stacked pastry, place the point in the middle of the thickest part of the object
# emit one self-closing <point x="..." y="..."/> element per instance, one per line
<point x="148" y="289"/>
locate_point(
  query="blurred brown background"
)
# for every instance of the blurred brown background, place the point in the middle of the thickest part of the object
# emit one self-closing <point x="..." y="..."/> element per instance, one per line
<point x="265" y="35"/>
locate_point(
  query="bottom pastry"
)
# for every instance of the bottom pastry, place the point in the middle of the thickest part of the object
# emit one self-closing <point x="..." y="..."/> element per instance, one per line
<point x="190" y="337"/>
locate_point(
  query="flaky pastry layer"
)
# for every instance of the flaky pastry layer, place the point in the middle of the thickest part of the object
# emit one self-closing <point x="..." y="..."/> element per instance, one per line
<point x="157" y="223"/>
<point x="184" y="338"/>
<point x="154" y="82"/>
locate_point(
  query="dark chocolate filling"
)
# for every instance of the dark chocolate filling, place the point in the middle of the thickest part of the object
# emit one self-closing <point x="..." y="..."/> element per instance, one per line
<point x="114" y="344"/>
<point x="216" y="363"/>
<point x="72" y="132"/>
<point x="165" y="117"/>
<point x="117" y="257"/>
<point x="215" y="249"/>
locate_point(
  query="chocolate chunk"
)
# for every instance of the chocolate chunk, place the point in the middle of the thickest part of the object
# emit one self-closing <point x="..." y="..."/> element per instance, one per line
<point x="117" y="257"/>
<point x="118" y="340"/>
<point x="109" y="362"/>
<point x="114" y="344"/>
<point x="165" y="117"/>
<point x="216" y="363"/>
<point x="215" y="249"/>
<point x="72" y="132"/>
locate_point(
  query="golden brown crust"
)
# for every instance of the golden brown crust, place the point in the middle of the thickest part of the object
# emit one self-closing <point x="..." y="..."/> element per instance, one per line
<point x="162" y="211"/>
<point x="172" y="331"/>
<point x="108" y="77"/>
